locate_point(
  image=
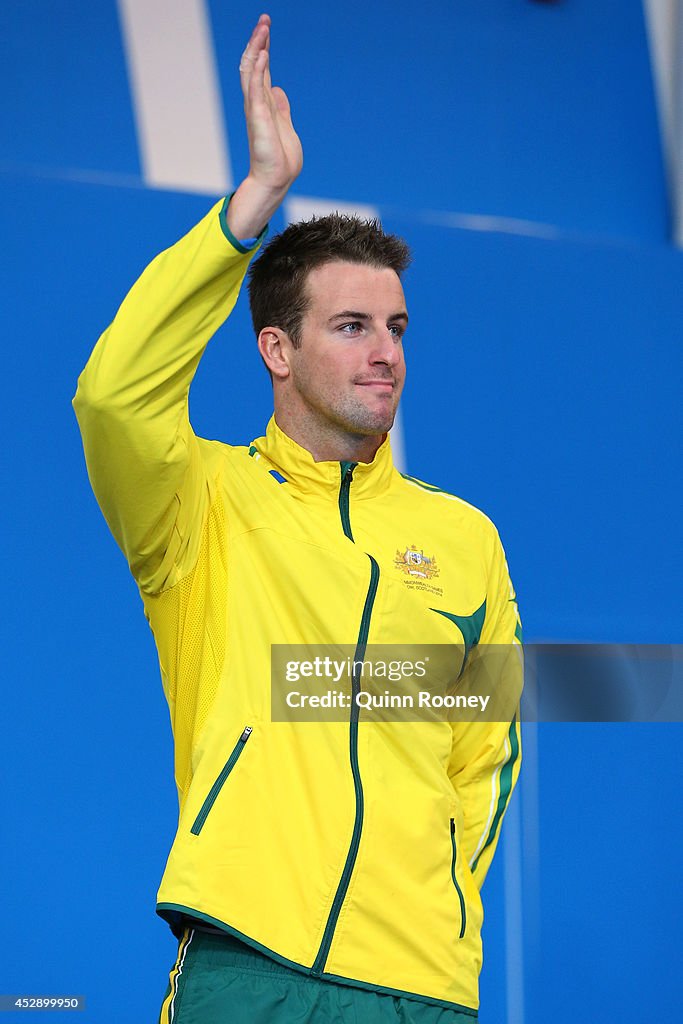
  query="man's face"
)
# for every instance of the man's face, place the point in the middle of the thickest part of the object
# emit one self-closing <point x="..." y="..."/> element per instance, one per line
<point x="349" y="372"/>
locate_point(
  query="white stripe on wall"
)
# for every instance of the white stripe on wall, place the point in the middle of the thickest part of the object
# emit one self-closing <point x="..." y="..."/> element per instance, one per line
<point x="398" y="451"/>
<point x="531" y="838"/>
<point x="176" y="95"/>
<point x="303" y="208"/>
<point x="664" y="22"/>
<point x="514" y="934"/>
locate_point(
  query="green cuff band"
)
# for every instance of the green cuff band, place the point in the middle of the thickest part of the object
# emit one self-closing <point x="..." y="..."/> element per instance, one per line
<point x="223" y="220"/>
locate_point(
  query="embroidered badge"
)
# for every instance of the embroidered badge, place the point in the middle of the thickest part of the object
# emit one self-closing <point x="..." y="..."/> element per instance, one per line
<point x="414" y="562"/>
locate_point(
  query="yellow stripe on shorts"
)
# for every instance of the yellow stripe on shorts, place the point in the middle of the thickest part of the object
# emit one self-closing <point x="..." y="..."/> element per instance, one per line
<point x="167" y="1014"/>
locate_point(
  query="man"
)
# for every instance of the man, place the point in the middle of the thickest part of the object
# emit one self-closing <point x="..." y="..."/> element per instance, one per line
<point x="326" y="870"/>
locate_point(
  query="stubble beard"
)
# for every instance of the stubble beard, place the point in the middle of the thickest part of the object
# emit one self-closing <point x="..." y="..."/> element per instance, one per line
<point x="356" y="418"/>
<point x="345" y="411"/>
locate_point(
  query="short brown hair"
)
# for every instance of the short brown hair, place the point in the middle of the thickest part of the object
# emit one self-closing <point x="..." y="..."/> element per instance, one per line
<point x="277" y="279"/>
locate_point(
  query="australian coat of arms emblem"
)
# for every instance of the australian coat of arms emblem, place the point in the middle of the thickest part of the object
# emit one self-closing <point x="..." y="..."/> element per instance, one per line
<point x="414" y="562"/>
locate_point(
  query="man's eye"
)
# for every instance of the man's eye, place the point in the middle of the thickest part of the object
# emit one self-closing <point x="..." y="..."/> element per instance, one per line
<point x="351" y="328"/>
<point x="398" y="330"/>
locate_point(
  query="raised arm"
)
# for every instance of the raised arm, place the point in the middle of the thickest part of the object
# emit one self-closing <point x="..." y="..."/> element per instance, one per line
<point x="146" y="466"/>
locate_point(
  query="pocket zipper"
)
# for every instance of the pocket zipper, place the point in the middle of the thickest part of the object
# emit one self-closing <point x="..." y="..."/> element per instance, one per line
<point x="463" y="912"/>
<point x="218" y="784"/>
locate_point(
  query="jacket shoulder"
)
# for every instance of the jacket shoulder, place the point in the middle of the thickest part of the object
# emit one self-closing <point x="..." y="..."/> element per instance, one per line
<point x="219" y="454"/>
<point x="450" y="505"/>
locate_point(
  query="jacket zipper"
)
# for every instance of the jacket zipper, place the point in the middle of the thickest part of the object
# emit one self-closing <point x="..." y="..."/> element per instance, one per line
<point x="218" y="784"/>
<point x="463" y="914"/>
<point x="347" y="469"/>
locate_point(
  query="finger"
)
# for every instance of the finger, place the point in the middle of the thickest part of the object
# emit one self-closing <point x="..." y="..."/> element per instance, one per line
<point x="256" y="96"/>
<point x="258" y="41"/>
<point x="261" y="76"/>
<point x="267" y="47"/>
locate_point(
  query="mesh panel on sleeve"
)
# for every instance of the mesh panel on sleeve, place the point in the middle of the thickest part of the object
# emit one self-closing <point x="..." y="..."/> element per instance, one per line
<point x="189" y="625"/>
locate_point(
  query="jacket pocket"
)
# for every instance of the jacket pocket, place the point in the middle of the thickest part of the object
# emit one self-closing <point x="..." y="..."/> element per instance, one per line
<point x="463" y="911"/>
<point x="218" y="784"/>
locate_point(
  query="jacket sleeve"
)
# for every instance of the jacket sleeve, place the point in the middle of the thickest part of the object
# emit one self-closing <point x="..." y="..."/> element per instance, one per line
<point x="486" y="754"/>
<point x="144" y="460"/>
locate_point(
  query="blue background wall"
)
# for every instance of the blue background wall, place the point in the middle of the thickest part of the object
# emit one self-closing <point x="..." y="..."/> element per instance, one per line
<point x="516" y="146"/>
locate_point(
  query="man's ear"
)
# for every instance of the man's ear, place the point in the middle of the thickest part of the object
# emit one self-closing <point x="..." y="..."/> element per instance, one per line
<point x="275" y="348"/>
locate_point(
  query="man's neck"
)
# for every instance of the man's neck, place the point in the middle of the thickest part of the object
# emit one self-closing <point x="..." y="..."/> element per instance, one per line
<point x="331" y="446"/>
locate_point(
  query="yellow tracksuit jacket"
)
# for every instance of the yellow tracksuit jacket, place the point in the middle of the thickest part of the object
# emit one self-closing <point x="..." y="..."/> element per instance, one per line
<point x="353" y="850"/>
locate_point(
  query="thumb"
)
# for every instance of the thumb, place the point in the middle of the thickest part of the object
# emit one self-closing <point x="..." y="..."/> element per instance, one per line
<point x="281" y="102"/>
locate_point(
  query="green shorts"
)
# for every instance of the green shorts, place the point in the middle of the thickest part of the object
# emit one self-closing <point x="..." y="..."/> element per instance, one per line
<point x="218" y="979"/>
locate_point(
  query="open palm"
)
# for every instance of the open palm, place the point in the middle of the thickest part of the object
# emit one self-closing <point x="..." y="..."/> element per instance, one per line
<point x="275" y="152"/>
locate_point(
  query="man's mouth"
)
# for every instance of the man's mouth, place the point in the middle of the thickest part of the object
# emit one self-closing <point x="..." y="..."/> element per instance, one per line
<point x="381" y="384"/>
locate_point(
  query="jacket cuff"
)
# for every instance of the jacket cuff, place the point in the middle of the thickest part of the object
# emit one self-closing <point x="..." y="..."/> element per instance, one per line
<point x="246" y="245"/>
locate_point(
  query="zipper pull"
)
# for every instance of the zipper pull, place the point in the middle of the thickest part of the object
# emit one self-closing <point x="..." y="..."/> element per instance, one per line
<point x="246" y="734"/>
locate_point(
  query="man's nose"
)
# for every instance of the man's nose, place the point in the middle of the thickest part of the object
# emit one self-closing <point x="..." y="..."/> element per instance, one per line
<point x="386" y="348"/>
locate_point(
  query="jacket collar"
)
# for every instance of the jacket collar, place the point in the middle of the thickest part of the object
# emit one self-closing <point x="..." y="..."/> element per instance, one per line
<point x="297" y="466"/>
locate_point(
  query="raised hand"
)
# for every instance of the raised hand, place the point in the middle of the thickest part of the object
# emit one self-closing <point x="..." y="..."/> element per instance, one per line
<point x="275" y="153"/>
<point x="274" y="147"/>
